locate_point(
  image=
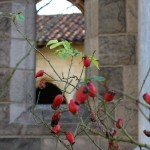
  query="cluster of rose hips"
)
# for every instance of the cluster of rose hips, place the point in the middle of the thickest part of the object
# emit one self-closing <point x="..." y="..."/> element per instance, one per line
<point x="146" y="97"/>
<point x="83" y="93"/>
<point x="88" y="90"/>
<point x="112" y="133"/>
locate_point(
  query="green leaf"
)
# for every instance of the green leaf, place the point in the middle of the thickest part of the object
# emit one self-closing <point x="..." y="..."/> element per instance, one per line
<point x="94" y="62"/>
<point x="55" y="45"/>
<point x="19" y="16"/>
<point x="98" y="78"/>
<point x="86" y="79"/>
<point x="67" y="45"/>
<point x="51" y="42"/>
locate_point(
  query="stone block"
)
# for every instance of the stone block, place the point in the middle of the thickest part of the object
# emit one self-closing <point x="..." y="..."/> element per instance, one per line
<point x="5" y="23"/>
<point x="81" y="142"/>
<point x="117" y="50"/>
<point x="4" y="113"/>
<point x="53" y="144"/>
<point x="114" y="78"/>
<point x="4" y="53"/>
<point x="27" y="26"/>
<point x="5" y="26"/>
<point x="87" y="18"/>
<point x="129" y="112"/>
<point x="132" y="15"/>
<point x="91" y="45"/>
<point x="20" y="143"/>
<point x="112" y="16"/>
<point x="130" y="80"/>
<point x="20" y="49"/>
<point x="4" y="87"/>
<point x="22" y="87"/>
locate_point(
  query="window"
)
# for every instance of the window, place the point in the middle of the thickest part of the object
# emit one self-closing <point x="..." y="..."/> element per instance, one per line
<point x="47" y="95"/>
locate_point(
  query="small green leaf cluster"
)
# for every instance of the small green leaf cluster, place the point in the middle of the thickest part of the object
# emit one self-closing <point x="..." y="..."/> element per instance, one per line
<point x="64" y="48"/>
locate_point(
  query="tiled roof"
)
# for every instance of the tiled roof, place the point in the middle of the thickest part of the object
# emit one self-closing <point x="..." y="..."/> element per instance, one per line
<point x="61" y="27"/>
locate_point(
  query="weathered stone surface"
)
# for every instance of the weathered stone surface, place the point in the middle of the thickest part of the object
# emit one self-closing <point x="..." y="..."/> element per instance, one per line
<point x="27" y="26"/>
<point x="20" y="144"/>
<point x="50" y="144"/>
<point x="130" y="80"/>
<point x="112" y="16"/>
<point x="128" y="111"/>
<point x="132" y="15"/>
<point x="4" y="113"/>
<point x="114" y="78"/>
<point x="81" y="142"/>
<point x="5" y="23"/>
<point x="117" y="50"/>
<point x="127" y="146"/>
<point x="22" y="86"/>
<point x="19" y="49"/>
<point x="91" y="17"/>
<point x="4" y="74"/>
<point x="4" y="53"/>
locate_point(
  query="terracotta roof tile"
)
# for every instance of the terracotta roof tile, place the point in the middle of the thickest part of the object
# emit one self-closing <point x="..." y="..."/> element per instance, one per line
<point x="61" y="27"/>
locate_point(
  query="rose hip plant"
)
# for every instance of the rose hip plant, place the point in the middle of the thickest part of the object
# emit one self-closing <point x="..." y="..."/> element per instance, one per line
<point x="99" y="120"/>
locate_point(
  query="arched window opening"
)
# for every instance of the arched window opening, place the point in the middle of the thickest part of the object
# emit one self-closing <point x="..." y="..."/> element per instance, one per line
<point x="47" y="95"/>
<point x="66" y="25"/>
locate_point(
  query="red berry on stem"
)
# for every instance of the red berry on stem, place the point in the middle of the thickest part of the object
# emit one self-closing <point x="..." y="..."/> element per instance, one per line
<point x="39" y="73"/>
<point x="120" y="123"/>
<point x="146" y="97"/>
<point x="86" y="61"/>
<point x="113" y="145"/>
<point x="82" y="94"/>
<point x="73" y="106"/>
<point x="56" y="129"/>
<point x="109" y="96"/>
<point x="42" y="84"/>
<point x="92" y="89"/>
<point x="147" y="133"/>
<point x="58" y="100"/>
<point x="111" y="132"/>
<point x="70" y="137"/>
<point x="55" y="118"/>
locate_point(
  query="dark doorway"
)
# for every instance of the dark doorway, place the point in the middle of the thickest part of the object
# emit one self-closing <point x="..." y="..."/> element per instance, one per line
<point x="47" y="95"/>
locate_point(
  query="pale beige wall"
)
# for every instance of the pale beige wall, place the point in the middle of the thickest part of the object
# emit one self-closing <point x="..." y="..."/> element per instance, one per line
<point x="60" y="65"/>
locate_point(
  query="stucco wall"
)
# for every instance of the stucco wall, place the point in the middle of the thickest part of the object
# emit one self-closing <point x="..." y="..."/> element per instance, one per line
<point x="61" y="66"/>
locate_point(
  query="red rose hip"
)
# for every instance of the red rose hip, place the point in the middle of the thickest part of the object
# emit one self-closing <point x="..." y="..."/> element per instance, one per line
<point x="58" y="100"/>
<point x="82" y="94"/>
<point x="92" y="89"/>
<point x="73" y="106"/>
<point x="119" y="123"/>
<point x="86" y="61"/>
<point x="146" y="97"/>
<point x="40" y="73"/>
<point x="70" y="137"/>
<point x="56" y="129"/>
<point x="109" y="96"/>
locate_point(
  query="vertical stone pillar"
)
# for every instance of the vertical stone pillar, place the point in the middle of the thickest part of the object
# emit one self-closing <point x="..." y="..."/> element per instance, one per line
<point x="111" y="29"/>
<point x="144" y="64"/>
<point x="13" y="47"/>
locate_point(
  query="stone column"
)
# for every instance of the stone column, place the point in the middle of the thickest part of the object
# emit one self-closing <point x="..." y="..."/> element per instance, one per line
<point x="20" y="91"/>
<point x="111" y="30"/>
<point x="144" y="63"/>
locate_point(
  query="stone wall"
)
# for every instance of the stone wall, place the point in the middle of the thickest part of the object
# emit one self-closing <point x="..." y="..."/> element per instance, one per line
<point x="111" y="29"/>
